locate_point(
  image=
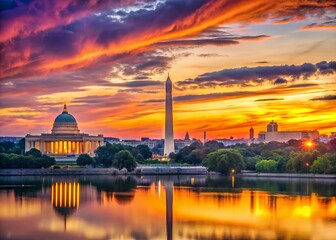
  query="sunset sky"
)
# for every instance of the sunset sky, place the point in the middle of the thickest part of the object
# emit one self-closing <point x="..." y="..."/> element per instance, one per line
<point x="234" y="64"/>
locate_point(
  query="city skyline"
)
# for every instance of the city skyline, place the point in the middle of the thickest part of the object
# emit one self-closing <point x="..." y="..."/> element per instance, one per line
<point x="233" y="64"/>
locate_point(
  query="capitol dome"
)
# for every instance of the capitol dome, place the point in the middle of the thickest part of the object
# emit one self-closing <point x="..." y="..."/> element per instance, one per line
<point x="65" y="123"/>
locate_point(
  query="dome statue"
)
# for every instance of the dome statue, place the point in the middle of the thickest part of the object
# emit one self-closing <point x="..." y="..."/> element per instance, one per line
<point x="65" y="123"/>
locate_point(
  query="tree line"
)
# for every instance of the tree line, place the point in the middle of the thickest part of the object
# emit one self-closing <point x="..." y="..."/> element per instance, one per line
<point x="291" y="157"/>
<point x="30" y="159"/>
<point x="120" y="156"/>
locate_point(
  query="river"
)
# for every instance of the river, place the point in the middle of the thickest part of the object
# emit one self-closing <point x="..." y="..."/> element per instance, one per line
<point x="166" y="207"/>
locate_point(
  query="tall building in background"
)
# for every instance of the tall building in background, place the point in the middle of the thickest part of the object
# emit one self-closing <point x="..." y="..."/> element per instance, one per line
<point x="251" y="134"/>
<point x="187" y="137"/>
<point x="272" y="127"/>
<point x="169" y="132"/>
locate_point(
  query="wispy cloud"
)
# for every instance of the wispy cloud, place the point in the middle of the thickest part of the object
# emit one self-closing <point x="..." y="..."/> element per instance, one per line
<point x="268" y="99"/>
<point x="327" y="25"/>
<point x="257" y="75"/>
<point x="324" y="98"/>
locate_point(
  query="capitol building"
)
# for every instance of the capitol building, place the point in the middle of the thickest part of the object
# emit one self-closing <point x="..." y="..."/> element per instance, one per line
<point x="65" y="142"/>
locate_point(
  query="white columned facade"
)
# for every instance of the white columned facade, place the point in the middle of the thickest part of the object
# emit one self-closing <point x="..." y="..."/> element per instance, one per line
<point x="65" y="139"/>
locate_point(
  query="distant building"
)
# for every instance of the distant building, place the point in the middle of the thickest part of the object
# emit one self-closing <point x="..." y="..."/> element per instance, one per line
<point x="151" y="143"/>
<point x="232" y="141"/>
<point x="324" y="138"/>
<point x="181" y="143"/>
<point x="272" y="127"/>
<point x="111" y="140"/>
<point x="65" y="142"/>
<point x="273" y="134"/>
<point x="251" y="137"/>
<point x="187" y="138"/>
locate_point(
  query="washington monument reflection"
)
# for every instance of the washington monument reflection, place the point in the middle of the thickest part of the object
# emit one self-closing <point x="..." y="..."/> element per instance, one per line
<point x="169" y="187"/>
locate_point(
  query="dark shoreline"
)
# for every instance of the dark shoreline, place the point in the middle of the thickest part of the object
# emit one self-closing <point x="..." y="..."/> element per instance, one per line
<point x="289" y="175"/>
<point x="150" y="171"/>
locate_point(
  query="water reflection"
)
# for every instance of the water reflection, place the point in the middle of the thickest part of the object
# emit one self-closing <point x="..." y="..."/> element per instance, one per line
<point x="65" y="199"/>
<point x="171" y="207"/>
<point x="169" y="187"/>
<point x="119" y="190"/>
<point x="65" y="194"/>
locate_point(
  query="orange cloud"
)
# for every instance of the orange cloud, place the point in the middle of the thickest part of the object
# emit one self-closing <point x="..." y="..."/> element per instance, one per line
<point x="87" y="49"/>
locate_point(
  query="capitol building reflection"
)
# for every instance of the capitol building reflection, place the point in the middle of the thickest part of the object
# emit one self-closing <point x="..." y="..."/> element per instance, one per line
<point x="65" y="199"/>
<point x="65" y="194"/>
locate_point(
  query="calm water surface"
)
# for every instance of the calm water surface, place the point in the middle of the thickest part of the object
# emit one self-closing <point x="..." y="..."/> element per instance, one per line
<point x="166" y="207"/>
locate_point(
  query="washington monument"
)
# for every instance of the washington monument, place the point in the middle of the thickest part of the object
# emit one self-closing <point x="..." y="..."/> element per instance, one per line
<point x="169" y="132"/>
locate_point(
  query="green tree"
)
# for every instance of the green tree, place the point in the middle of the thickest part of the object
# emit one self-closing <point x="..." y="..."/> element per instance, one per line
<point x="331" y="145"/>
<point x="325" y="164"/>
<point x="196" y="145"/>
<point x="84" y="159"/>
<point x="11" y="147"/>
<point x="267" y="166"/>
<point x="332" y="159"/>
<point x="4" y="160"/>
<point x="298" y="160"/>
<point x="139" y="158"/>
<point x="195" y="157"/>
<point x="180" y="156"/>
<point x="21" y="145"/>
<point x="172" y="156"/>
<point x="213" y="145"/>
<point x="321" y="165"/>
<point x="25" y="161"/>
<point x="124" y="159"/>
<point x="193" y="154"/>
<point x="144" y="151"/>
<point x="250" y="162"/>
<point x="158" y="149"/>
<point x="7" y="147"/>
<point x="47" y="161"/>
<point x="295" y="143"/>
<point x="321" y="148"/>
<point x="105" y="154"/>
<point x="245" y="151"/>
<point x="34" y="153"/>
<point x="224" y="160"/>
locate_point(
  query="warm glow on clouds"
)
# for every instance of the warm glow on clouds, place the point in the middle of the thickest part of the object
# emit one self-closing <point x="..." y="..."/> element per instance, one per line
<point x="234" y="64"/>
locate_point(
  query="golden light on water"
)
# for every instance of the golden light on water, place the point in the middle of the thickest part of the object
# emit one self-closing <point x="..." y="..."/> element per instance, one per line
<point x="159" y="188"/>
<point x="304" y="211"/>
<point x="12" y="209"/>
<point x="197" y="212"/>
<point x="65" y="194"/>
